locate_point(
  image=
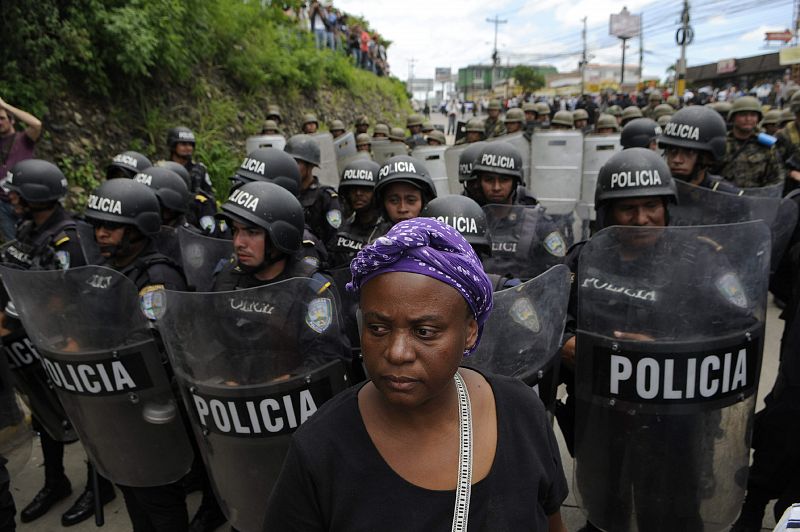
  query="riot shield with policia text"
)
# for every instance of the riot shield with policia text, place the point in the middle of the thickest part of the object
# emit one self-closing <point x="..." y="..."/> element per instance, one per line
<point x="100" y="353"/>
<point x="669" y="343"/>
<point x="253" y="365"/>
<point x="201" y="256"/>
<point x="16" y="436"/>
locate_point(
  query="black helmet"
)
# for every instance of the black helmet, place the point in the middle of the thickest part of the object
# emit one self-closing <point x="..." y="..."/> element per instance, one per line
<point x="639" y="133"/>
<point x="179" y="134"/>
<point x="462" y="214"/>
<point x="698" y="128"/>
<point x="361" y="172"/>
<point x="499" y="158"/>
<point x="467" y="159"/>
<point x="170" y="189"/>
<point x="272" y="166"/>
<point x="405" y="169"/>
<point x="271" y="207"/>
<point x="126" y="202"/>
<point x="179" y="169"/>
<point x="304" y="148"/>
<point x="634" y="173"/>
<point x="129" y="163"/>
<point x="37" y="181"/>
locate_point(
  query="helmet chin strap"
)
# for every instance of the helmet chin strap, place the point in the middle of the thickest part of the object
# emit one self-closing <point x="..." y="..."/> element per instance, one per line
<point x="123" y="249"/>
<point x="263" y="265"/>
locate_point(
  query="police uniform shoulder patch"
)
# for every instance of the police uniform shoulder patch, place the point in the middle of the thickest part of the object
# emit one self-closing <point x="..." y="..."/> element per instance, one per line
<point x="555" y="245"/>
<point x="334" y="217"/>
<point x="62" y="259"/>
<point x="153" y="301"/>
<point x="207" y="223"/>
<point x="523" y="313"/>
<point x="311" y="261"/>
<point x="731" y="288"/>
<point x="320" y="314"/>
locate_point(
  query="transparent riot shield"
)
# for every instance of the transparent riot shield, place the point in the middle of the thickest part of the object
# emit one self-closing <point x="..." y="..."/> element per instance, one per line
<point x="265" y="141"/>
<point x="382" y="151"/>
<point x="253" y="365"/>
<point x="769" y="191"/>
<point x="347" y="304"/>
<point x="556" y="165"/>
<point x="88" y="244"/>
<point x="451" y="158"/>
<point x="101" y="355"/>
<point x="167" y="242"/>
<point x="344" y="147"/>
<point x="519" y="141"/>
<point x="669" y="343"/>
<point x="16" y="436"/>
<point x="702" y="206"/>
<point x="434" y="160"/>
<point x="525" y="240"/>
<point x="201" y="257"/>
<point x="522" y="337"/>
<point x="328" y="171"/>
<point x="597" y="150"/>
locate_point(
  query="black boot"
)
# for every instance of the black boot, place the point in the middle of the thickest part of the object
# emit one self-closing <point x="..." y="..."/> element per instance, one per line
<point x="83" y="507"/>
<point x="52" y="492"/>
<point x="752" y="514"/>
<point x="209" y="516"/>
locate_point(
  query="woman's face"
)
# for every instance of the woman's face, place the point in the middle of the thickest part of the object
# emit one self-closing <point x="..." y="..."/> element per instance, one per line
<point x="414" y="335"/>
<point x="402" y="201"/>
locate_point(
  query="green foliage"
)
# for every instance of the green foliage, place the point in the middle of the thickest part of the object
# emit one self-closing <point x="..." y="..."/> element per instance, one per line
<point x="529" y="78"/>
<point x="82" y="178"/>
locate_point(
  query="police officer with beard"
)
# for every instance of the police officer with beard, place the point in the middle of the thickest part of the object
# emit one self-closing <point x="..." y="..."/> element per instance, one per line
<point x="693" y="140"/>
<point x="365" y="224"/>
<point x="181" y="142"/>
<point x="126" y="216"/>
<point x="47" y="239"/>
<point x="525" y="242"/>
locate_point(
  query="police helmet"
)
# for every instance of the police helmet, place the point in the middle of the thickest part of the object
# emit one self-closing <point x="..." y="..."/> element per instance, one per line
<point x="475" y="125"/>
<point x="362" y="139"/>
<point x="639" y="133"/>
<point x="362" y="120"/>
<point x="179" y="169"/>
<point x="499" y="158"/>
<point x="170" y="188"/>
<point x="336" y="125"/>
<point x="304" y="148"/>
<point x="515" y="114"/>
<point x="563" y="118"/>
<point x="129" y="163"/>
<point x="405" y="169"/>
<point x="771" y="117"/>
<point x="437" y="136"/>
<point x="663" y="109"/>
<point x="745" y="104"/>
<point x="127" y="202"/>
<point x="427" y="127"/>
<point x="397" y="134"/>
<point x="529" y="107"/>
<point x="631" y="112"/>
<point x="580" y="114"/>
<point x="462" y="214"/>
<point x="606" y="121"/>
<point x="179" y="134"/>
<point x="634" y="173"/>
<point x="381" y="128"/>
<point x="269" y="125"/>
<point x="414" y="120"/>
<point x="272" y="166"/>
<point x="270" y="207"/>
<point x="721" y="107"/>
<point x="359" y="173"/>
<point x="310" y="119"/>
<point x="274" y="113"/>
<point x="697" y="128"/>
<point x="794" y="102"/>
<point x="467" y="159"/>
<point x="786" y="116"/>
<point x="614" y="110"/>
<point x="495" y="105"/>
<point x="543" y="108"/>
<point x="37" y="181"/>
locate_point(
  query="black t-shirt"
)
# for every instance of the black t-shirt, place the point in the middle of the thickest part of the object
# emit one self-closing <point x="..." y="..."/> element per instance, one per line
<point x="335" y="479"/>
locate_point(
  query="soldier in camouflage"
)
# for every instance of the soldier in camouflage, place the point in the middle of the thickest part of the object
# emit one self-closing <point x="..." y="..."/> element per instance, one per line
<point x="514" y="119"/>
<point x="747" y="162"/>
<point x="493" y="126"/>
<point x="653" y="101"/>
<point x="788" y="145"/>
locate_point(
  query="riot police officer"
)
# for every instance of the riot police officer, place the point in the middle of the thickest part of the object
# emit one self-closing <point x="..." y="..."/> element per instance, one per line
<point x="692" y="141"/>
<point x="606" y="124"/>
<point x="653" y="101"/>
<point x="270" y="127"/>
<point x="363" y="143"/>
<point x="531" y="111"/>
<point x="380" y="133"/>
<point x="475" y="131"/>
<point x="436" y="138"/>
<point x="414" y="125"/>
<point x="493" y="126"/>
<point x="202" y="207"/>
<point x="127" y="164"/>
<point x="580" y="120"/>
<point x="404" y="187"/>
<point x="47" y="238"/>
<point x="181" y="142"/>
<point x="126" y="216"/>
<point x="630" y="113"/>
<point x="514" y="119"/>
<point x="640" y="133"/>
<point x="336" y="128"/>
<point x="362" y="125"/>
<point x="543" y="112"/>
<point x="470" y="182"/>
<point x="365" y="224"/>
<point x="274" y="114"/>
<point x="323" y="213"/>
<point x="562" y="120"/>
<point x="310" y="124"/>
<point x="663" y="109"/>
<point x="171" y="191"/>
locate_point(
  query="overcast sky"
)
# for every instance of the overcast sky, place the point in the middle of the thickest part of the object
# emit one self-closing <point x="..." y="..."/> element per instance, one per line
<point x="454" y="33"/>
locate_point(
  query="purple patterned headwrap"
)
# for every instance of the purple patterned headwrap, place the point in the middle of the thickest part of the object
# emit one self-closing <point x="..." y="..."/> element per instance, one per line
<point x="429" y="247"/>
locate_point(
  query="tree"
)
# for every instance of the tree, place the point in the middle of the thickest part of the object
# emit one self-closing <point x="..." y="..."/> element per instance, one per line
<point x="529" y="78"/>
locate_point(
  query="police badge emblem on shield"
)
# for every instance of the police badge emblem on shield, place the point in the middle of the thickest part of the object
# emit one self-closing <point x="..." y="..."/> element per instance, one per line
<point x="522" y="312"/>
<point x="730" y="287"/>
<point x="334" y="217"/>
<point x="153" y="301"/>
<point x="555" y="245"/>
<point x="320" y="314"/>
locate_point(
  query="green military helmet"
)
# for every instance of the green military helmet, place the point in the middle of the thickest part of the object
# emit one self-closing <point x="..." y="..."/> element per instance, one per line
<point x="786" y="116"/>
<point x="662" y="109"/>
<point x="414" y="120"/>
<point x="381" y="129"/>
<point x="362" y="139"/>
<point x="614" y="110"/>
<point x="336" y="125"/>
<point x="674" y="101"/>
<point x="580" y="114"/>
<point x="722" y="108"/>
<point x="427" y="126"/>
<point x="794" y="103"/>
<point x="530" y="107"/>
<point x="397" y="134"/>
<point x="655" y="96"/>
<point x="543" y="108"/>
<point x="563" y="118"/>
<point x="270" y="125"/>
<point x="745" y="104"/>
<point x="515" y="114"/>
<point x="437" y="136"/>
<point x="362" y="120"/>
<point x="663" y="120"/>
<point x="310" y="119"/>
<point x="606" y="121"/>
<point x="765" y="109"/>
<point x="495" y="105"/>
<point x="773" y="116"/>
<point x="631" y="112"/>
<point x="475" y="124"/>
<point x="274" y="113"/>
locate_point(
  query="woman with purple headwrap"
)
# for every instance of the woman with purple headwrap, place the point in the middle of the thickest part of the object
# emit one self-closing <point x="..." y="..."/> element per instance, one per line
<point x="423" y="445"/>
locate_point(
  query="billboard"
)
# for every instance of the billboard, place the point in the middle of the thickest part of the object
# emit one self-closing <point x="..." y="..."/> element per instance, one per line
<point x="624" y="25"/>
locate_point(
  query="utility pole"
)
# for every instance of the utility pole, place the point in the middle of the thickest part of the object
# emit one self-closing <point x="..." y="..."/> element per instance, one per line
<point x="683" y="38"/>
<point x="583" y="58"/>
<point x="495" y="58"/>
<point x="411" y="63"/>
<point x="641" y="50"/>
